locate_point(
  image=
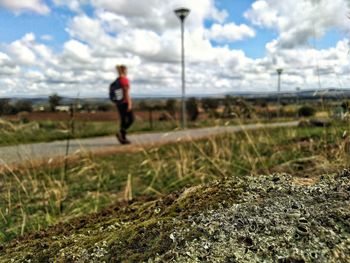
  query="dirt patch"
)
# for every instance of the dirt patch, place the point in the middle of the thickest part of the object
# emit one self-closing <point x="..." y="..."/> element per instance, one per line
<point x="81" y="116"/>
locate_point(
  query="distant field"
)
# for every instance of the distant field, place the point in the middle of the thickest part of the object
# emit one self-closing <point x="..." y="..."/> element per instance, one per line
<point x="79" y="116"/>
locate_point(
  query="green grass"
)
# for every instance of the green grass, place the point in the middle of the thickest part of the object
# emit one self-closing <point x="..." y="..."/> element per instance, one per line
<point x="34" y="199"/>
<point x="14" y="133"/>
<point x="45" y="131"/>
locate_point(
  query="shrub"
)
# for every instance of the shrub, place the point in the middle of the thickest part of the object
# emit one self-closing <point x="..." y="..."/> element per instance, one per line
<point x="170" y="107"/>
<point x="23" y="117"/>
<point x="54" y="100"/>
<point x="5" y="107"/>
<point x="192" y="109"/>
<point x="306" y="111"/>
<point x="23" y="106"/>
<point x="104" y="107"/>
<point x="210" y="104"/>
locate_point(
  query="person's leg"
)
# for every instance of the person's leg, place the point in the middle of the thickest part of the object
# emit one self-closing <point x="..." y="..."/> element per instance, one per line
<point x="129" y="119"/>
<point x="123" y="119"/>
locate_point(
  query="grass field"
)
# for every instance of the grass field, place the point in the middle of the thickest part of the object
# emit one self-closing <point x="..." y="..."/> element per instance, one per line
<point x="34" y="199"/>
<point x="14" y="133"/>
<point x="45" y="131"/>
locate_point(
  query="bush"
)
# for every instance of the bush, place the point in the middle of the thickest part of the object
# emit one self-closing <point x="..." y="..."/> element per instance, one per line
<point x="104" y="107"/>
<point x="210" y="104"/>
<point x="23" y="117"/>
<point x="306" y="111"/>
<point x="23" y="106"/>
<point x="54" y="101"/>
<point x="5" y="107"/>
<point x="192" y="109"/>
<point x="170" y="107"/>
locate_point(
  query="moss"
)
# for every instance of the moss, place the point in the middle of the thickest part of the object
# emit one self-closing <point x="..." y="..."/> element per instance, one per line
<point x="231" y="220"/>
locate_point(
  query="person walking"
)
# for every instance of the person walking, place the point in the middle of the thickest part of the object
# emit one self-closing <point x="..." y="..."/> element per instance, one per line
<point x="119" y="93"/>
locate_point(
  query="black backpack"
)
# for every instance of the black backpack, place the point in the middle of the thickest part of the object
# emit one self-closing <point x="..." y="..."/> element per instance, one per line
<point x="116" y="93"/>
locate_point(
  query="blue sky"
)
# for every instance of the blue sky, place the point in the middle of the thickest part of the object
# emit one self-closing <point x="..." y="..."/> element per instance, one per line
<point x="52" y="45"/>
<point x="15" y="26"/>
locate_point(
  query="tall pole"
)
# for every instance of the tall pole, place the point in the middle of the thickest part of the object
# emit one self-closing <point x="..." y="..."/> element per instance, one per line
<point x="184" y="119"/>
<point x="182" y="13"/>
<point x="297" y="95"/>
<point x="297" y="90"/>
<point x="279" y="72"/>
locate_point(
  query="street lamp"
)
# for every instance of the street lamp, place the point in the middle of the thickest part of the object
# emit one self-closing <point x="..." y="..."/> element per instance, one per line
<point x="279" y="72"/>
<point x="182" y="13"/>
<point x="297" y="90"/>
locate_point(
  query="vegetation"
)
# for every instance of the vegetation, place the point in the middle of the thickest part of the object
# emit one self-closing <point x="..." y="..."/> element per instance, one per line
<point x="210" y="106"/>
<point x="54" y="101"/>
<point x="190" y="225"/>
<point x="23" y="131"/>
<point x="171" y="107"/>
<point x="7" y="108"/>
<point x="306" y="111"/>
<point x="192" y="109"/>
<point x="156" y="115"/>
<point x="34" y="199"/>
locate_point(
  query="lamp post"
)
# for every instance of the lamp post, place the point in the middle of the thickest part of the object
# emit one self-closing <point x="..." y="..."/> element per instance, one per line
<point x="279" y="72"/>
<point x="182" y="13"/>
<point x="297" y="90"/>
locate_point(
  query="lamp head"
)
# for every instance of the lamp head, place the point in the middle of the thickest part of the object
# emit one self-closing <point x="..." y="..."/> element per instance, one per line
<point x="182" y="13"/>
<point x="279" y="71"/>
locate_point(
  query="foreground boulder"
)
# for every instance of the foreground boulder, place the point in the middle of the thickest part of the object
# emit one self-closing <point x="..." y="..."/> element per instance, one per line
<point x="274" y="218"/>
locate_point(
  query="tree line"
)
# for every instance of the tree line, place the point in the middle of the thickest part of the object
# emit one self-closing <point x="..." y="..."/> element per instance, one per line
<point x="230" y="107"/>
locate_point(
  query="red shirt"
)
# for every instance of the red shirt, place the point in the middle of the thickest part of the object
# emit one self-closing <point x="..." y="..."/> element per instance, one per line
<point x="124" y="82"/>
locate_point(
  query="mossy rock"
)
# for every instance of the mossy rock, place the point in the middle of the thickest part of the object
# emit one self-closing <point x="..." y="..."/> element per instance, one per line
<point x="249" y="219"/>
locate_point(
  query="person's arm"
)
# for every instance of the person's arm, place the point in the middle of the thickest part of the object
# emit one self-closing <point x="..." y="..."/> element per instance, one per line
<point x="128" y="97"/>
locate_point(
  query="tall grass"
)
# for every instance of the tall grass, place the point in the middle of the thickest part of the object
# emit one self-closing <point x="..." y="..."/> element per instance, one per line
<point x="32" y="199"/>
<point x="14" y="132"/>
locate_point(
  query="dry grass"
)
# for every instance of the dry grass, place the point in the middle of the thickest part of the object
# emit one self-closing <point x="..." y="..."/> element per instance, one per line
<point x="31" y="199"/>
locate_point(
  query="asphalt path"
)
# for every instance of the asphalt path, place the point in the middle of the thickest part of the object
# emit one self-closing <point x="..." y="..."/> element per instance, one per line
<point x="13" y="155"/>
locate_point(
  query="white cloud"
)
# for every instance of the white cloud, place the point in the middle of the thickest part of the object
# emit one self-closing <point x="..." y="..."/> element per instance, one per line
<point x="156" y="15"/>
<point x="47" y="37"/>
<point x="7" y="66"/>
<point x="34" y="75"/>
<point x="18" y="6"/>
<point x="21" y="51"/>
<point x="299" y="21"/>
<point x="230" y="32"/>
<point x="90" y="30"/>
<point x="78" y="51"/>
<point x="74" y="5"/>
<point x="145" y="35"/>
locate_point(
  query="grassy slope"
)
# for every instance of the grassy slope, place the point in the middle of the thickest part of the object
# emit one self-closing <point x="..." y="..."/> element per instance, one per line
<point x="34" y="199"/>
<point x="232" y="220"/>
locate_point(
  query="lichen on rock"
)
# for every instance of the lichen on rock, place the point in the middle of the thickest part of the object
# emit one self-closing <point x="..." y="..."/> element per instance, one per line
<point x="248" y="219"/>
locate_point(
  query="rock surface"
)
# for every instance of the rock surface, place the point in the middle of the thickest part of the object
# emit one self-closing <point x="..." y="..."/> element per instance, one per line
<point x="251" y="219"/>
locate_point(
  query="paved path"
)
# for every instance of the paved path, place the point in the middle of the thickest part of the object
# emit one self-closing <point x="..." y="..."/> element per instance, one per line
<point x="12" y="155"/>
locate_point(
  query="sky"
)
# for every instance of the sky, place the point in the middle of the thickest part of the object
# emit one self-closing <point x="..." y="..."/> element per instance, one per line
<point x="71" y="47"/>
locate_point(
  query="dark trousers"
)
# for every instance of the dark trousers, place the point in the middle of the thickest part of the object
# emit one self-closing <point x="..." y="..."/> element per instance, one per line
<point x="126" y="118"/>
